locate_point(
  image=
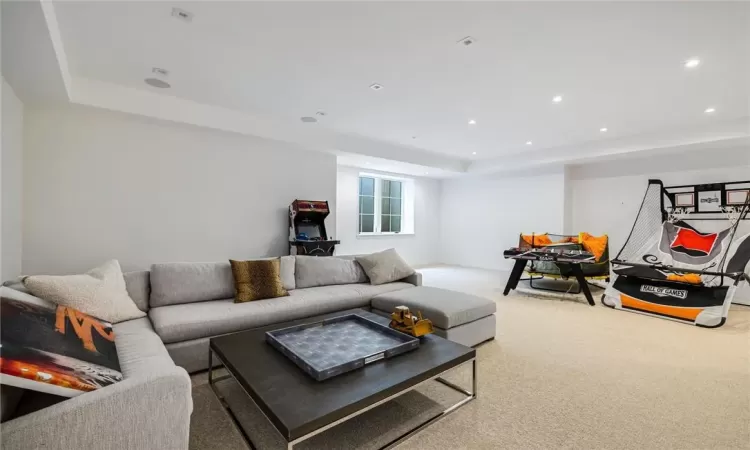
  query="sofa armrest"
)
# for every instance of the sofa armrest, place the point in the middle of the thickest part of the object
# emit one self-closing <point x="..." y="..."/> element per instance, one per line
<point x="145" y="411"/>
<point x="415" y="279"/>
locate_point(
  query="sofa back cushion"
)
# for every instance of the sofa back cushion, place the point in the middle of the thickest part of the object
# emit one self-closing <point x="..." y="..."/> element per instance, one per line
<point x="311" y="271"/>
<point x="138" y="285"/>
<point x="287" y="264"/>
<point x="185" y="282"/>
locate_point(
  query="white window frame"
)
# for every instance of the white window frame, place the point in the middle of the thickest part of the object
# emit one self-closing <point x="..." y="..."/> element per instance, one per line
<point x="406" y="188"/>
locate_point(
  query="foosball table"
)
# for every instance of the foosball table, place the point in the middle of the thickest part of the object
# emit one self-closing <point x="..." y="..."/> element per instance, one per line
<point x="573" y="259"/>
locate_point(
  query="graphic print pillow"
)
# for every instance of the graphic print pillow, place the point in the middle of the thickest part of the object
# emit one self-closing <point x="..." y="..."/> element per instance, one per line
<point x="55" y="349"/>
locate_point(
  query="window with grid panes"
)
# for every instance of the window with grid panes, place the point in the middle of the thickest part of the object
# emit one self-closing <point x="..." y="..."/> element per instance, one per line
<point x="380" y="205"/>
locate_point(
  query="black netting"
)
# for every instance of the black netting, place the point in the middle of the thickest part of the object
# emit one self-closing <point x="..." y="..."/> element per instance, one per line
<point x="647" y="226"/>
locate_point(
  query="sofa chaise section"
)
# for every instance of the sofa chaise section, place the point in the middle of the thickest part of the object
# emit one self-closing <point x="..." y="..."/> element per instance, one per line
<point x="460" y="317"/>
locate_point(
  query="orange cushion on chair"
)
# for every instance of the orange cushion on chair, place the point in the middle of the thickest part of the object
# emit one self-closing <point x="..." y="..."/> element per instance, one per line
<point x="594" y="244"/>
<point x="536" y="239"/>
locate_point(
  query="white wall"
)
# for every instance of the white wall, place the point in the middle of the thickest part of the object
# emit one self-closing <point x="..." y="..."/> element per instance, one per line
<point x="12" y="149"/>
<point x="101" y="185"/>
<point x="606" y="196"/>
<point x="481" y="217"/>
<point x="417" y="249"/>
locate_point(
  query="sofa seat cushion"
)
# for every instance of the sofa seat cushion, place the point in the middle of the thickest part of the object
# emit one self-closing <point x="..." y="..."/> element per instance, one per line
<point x="177" y="323"/>
<point x="139" y="348"/>
<point x="446" y="309"/>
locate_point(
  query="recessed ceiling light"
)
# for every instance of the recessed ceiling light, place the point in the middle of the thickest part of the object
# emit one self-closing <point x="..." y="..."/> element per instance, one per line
<point x="710" y="110"/>
<point x="692" y="63"/>
<point x="427" y="173"/>
<point x="376" y="86"/>
<point x="467" y="41"/>
<point x="557" y="98"/>
<point x="181" y="14"/>
<point x="603" y="130"/>
<point x="308" y="119"/>
<point x="472" y="122"/>
<point x="473" y="153"/>
<point x="529" y="142"/>
<point x="157" y="83"/>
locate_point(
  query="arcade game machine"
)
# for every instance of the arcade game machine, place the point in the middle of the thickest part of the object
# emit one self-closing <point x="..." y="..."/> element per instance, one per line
<point x="307" y="229"/>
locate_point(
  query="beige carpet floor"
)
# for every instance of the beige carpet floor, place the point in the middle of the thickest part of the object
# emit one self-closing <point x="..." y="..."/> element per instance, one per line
<point x="560" y="374"/>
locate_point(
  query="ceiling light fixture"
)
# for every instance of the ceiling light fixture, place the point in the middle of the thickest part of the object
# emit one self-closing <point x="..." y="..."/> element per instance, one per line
<point x="473" y="153"/>
<point x="320" y="113"/>
<point x="692" y="63"/>
<point x="557" y="99"/>
<point x="427" y="173"/>
<point x="308" y="119"/>
<point x="603" y="130"/>
<point x="160" y="71"/>
<point x="710" y="110"/>
<point x="185" y="16"/>
<point x="472" y="122"/>
<point x="529" y="142"/>
<point x="467" y="41"/>
<point x="157" y="83"/>
<point x="376" y="86"/>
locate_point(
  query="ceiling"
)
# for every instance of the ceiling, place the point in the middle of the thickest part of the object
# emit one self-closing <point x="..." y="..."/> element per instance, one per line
<point x="616" y="65"/>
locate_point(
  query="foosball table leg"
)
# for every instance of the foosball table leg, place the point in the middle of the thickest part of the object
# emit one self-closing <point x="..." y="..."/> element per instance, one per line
<point x="578" y="272"/>
<point x="515" y="275"/>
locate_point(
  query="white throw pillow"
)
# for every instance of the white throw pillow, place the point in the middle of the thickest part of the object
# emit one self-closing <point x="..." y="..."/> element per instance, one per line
<point x="385" y="267"/>
<point x="100" y="292"/>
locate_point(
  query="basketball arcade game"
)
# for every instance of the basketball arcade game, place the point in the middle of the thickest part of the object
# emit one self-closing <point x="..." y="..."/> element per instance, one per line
<point x="669" y="268"/>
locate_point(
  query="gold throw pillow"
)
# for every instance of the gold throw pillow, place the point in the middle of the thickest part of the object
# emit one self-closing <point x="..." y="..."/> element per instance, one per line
<point x="257" y="280"/>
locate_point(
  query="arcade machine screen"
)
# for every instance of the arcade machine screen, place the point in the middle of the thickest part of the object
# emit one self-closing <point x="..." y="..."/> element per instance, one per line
<point x="311" y="230"/>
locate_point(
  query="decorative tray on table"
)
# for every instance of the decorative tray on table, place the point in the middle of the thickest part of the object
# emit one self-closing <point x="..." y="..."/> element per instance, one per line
<point x="333" y="346"/>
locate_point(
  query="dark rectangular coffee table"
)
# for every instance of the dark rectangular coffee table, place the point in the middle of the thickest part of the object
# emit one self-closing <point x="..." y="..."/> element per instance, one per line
<point x="300" y="407"/>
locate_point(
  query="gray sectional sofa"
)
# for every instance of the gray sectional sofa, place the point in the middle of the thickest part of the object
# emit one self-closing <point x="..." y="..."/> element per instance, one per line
<point x="187" y="304"/>
<point x="191" y="302"/>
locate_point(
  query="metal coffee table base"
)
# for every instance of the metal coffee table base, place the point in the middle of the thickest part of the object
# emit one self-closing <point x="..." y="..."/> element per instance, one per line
<point x="470" y="395"/>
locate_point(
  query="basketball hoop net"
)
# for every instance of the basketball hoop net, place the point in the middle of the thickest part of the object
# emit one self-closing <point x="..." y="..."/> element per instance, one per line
<point x="733" y="213"/>
<point x="678" y="213"/>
